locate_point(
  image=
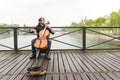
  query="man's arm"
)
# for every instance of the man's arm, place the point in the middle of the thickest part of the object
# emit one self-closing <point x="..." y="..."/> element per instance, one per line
<point x="47" y="25"/>
<point x="32" y="30"/>
<point x="50" y="30"/>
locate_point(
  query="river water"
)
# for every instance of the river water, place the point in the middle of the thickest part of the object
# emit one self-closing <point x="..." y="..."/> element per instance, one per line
<point x="73" y="41"/>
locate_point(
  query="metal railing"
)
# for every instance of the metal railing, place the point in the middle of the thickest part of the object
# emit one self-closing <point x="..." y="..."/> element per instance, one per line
<point x="112" y="34"/>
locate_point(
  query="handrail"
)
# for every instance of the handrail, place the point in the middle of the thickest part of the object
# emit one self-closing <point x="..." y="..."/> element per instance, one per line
<point x="82" y="29"/>
<point x="60" y="27"/>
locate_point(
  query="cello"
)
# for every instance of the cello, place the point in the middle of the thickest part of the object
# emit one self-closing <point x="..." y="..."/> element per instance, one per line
<point x="41" y="42"/>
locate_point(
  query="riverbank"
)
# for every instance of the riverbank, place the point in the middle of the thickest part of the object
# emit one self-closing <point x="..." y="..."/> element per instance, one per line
<point x="103" y="38"/>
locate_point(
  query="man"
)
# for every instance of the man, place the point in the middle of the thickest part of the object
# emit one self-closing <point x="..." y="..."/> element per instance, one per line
<point x="41" y="25"/>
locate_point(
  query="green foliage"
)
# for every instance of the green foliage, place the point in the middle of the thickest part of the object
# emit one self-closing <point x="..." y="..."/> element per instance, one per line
<point x="99" y="21"/>
<point x="77" y="25"/>
<point x="4" y="25"/>
<point x="112" y="20"/>
<point x="115" y="19"/>
<point x="4" y="29"/>
<point x="89" y="23"/>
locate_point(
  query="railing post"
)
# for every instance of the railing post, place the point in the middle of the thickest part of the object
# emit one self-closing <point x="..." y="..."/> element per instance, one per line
<point x="15" y="39"/>
<point x="84" y="38"/>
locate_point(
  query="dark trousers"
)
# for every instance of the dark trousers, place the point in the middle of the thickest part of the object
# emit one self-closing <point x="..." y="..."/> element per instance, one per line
<point x="34" y="49"/>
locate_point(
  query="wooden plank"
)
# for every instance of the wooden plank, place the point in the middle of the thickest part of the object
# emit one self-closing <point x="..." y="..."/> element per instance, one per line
<point x="9" y="66"/>
<point x="70" y="62"/>
<point x="96" y="68"/>
<point x="22" y="65"/>
<point x="84" y="76"/>
<point x="55" y="68"/>
<point x="91" y="76"/>
<point x="113" y="59"/>
<point x="50" y="64"/>
<point x="23" y="72"/>
<point x="67" y="67"/>
<point x="39" y="62"/>
<point x="77" y="77"/>
<point x="114" y="53"/>
<point x="108" y="62"/>
<point x="89" y="64"/>
<point x="101" y="61"/>
<point x="45" y="63"/>
<point x="98" y="76"/>
<point x="61" y="66"/>
<point x="2" y="54"/>
<point x="5" y="77"/>
<point x="8" y="61"/>
<point x="78" y="67"/>
<point x="112" y="76"/>
<point x="17" y="72"/>
<point x="70" y="77"/>
<point x="1" y="76"/>
<point x="117" y="74"/>
<point x="14" y="65"/>
<point x="48" y="77"/>
<point x="105" y="76"/>
<point x="18" y="68"/>
<point x="96" y="63"/>
<point x="79" y="61"/>
<point x="55" y="77"/>
<point x="63" y="77"/>
<point x="29" y="64"/>
<point x="4" y="57"/>
<point x="19" y="77"/>
<point x="25" y="77"/>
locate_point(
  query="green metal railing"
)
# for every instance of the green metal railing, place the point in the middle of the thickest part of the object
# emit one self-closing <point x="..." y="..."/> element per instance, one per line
<point x="113" y="33"/>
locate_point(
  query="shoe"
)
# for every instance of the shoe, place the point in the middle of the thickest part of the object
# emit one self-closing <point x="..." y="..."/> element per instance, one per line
<point x="47" y="57"/>
<point x="33" y="57"/>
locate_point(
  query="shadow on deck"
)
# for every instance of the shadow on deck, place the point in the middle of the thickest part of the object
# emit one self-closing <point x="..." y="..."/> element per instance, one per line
<point x="64" y="65"/>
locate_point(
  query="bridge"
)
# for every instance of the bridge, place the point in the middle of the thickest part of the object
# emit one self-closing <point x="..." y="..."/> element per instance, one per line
<point x="83" y="62"/>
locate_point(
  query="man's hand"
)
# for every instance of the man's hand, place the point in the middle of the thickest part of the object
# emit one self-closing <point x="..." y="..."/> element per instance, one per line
<point x="52" y="32"/>
<point x="32" y="31"/>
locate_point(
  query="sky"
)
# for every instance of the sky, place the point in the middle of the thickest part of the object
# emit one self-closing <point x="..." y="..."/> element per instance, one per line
<point x="57" y="12"/>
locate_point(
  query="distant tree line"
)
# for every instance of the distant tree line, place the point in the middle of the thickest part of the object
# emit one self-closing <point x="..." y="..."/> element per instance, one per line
<point x="112" y="20"/>
<point x="4" y="25"/>
<point x="11" y="25"/>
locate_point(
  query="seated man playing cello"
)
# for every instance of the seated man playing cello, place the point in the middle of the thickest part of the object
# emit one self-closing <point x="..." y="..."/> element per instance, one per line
<point x="40" y="27"/>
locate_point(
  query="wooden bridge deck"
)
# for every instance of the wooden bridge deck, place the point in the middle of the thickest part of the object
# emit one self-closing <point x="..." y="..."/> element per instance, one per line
<point x="64" y="65"/>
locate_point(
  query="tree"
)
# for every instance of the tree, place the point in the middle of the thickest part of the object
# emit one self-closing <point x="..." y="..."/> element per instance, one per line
<point x="4" y="25"/>
<point x="100" y="21"/>
<point x="89" y="22"/>
<point x="115" y="19"/>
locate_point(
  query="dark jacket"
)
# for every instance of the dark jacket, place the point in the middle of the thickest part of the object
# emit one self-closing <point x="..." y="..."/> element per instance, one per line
<point x="38" y="28"/>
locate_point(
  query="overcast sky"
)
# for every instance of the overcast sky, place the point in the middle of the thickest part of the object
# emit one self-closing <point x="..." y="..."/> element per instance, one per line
<point x="58" y="12"/>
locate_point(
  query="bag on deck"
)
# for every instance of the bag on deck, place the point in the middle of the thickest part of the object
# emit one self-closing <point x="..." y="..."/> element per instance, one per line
<point x="36" y="71"/>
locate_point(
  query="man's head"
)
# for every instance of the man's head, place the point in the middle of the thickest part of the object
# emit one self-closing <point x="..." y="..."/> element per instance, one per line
<point x="41" y="20"/>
